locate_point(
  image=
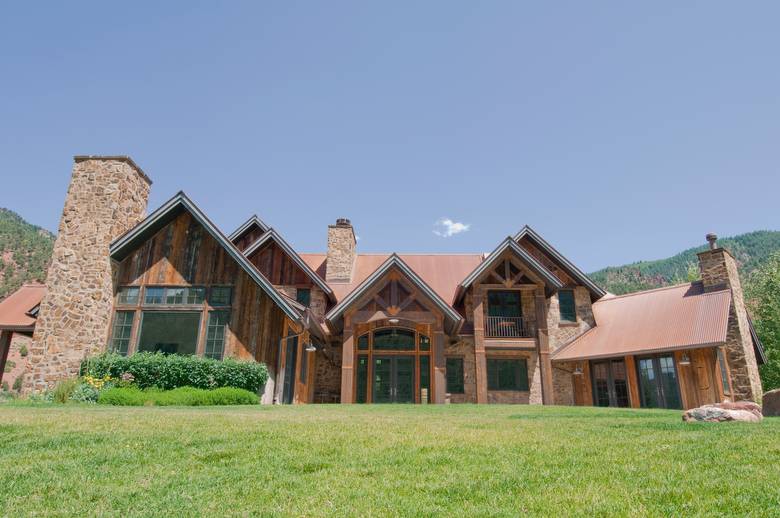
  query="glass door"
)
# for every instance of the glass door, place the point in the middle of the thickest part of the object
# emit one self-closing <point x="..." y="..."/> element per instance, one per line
<point x="610" y="385"/>
<point x="291" y="353"/>
<point x="658" y="386"/>
<point x="393" y="379"/>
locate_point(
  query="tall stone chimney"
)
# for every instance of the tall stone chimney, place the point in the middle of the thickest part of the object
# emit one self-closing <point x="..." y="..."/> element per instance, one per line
<point x="341" y="251"/>
<point x="718" y="271"/>
<point x="107" y="196"/>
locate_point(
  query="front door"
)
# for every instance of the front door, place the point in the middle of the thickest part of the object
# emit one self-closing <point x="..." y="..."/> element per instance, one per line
<point x="393" y="379"/>
<point x="658" y="385"/>
<point x="610" y="386"/>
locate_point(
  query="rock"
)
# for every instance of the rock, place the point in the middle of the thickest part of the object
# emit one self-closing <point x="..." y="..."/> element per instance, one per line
<point x="745" y="411"/>
<point x="771" y="402"/>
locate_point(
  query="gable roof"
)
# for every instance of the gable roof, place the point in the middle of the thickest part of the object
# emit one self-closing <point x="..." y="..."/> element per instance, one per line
<point x="335" y="315"/>
<point x="246" y="226"/>
<point x="18" y="311"/>
<point x="664" y="319"/>
<point x="130" y="240"/>
<point x="509" y="244"/>
<point x="272" y="235"/>
<point x="572" y="270"/>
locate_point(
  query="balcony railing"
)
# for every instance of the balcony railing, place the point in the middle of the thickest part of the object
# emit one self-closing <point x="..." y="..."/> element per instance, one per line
<point x="507" y="327"/>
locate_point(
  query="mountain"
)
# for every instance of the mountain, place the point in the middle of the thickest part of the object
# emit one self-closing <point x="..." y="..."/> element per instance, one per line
<point x="750" y="251"/>
<point x="25" y="252"/>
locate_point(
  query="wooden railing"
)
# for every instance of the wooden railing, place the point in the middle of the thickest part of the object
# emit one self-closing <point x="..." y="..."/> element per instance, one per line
<point x="507" y="327"/>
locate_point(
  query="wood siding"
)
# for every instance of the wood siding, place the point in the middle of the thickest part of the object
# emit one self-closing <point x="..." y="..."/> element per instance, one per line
<point x="277" y="266"/>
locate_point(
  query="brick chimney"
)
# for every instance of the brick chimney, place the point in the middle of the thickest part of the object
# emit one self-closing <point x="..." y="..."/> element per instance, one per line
<point x="106" y="197"/>
<point x="719" y="271"/>
<point x="341" y="251"/>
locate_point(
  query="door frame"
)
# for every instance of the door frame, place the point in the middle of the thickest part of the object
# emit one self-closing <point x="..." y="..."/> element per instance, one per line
<point x="611" y="392"/>
<point x="659" y="388"/>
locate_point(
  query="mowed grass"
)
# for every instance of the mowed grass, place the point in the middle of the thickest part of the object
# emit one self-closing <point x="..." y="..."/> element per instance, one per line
<point x="382" y="460"/>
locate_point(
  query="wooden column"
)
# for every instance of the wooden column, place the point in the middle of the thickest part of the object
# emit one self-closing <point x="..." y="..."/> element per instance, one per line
<point x="348" y="364"/>
<point x="543" y="346"/>
<point x="587" y="387"/>
<point x="439" y="377"/>
<point x="5" y="346"/>
<point x="479" y="345"/>
<point x="633" y="382"/>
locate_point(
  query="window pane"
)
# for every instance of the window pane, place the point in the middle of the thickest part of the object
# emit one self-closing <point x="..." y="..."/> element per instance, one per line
<point x="221" y="295"/>
<point x="425" y="343"/>
<point x="504" y="304"/>
<point x="195" y="295"/>
<point x="669" y="382"/>
<point x="128" y="295"/>
<point x="507" y="374"/>
<point x="724" y="375"/>
<point x="425" y="376"/>
<point x="601" y="383"/>
<point x="567" y="306"/>
<point x="215" y="334"/>
<point x="395" y="339"/>
<point x="154" y="295"/>
<point x="455" y="375"/>
<point x="123" y="326"/>
<point x="363" y="343"/>
<point x="648" y="383"/>
<point x="620" y="382"/>
<point x="303" y="295"/>
<point x="362" y="379"/>
<point x="169" y="332"/>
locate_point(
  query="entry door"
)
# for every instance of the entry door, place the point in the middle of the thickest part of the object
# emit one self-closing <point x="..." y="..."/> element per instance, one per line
<point x="610" y="386"/>
<point x="658" y="386"/>
<point x="393" y="379"/>
<point x="291" y="354"/>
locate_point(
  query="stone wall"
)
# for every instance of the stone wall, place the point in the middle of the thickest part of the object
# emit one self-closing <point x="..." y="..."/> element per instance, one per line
<point x="534" y="394"/>
<point x="464" y="348"/>
<point x="342" y="252"/>
<point x="563" y="383"/>
<point x="106" y="197"/>
<point x="327" y="378"/>
<point x="718" y="270"/>
<point x="563" y="332"/>
<point x="16" y="362"/>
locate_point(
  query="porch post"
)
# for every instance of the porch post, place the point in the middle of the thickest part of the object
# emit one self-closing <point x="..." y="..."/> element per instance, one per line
<point x="633" y="382"/>
<point x="347" y="364"/>
<point x="543" y="346"/>
<point x="479" y="345"/>
<point x="439" y="378"/>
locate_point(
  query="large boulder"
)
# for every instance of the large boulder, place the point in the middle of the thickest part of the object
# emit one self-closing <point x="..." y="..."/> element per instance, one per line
<point x="745" y="411"/>
<point x="771" y="402"/>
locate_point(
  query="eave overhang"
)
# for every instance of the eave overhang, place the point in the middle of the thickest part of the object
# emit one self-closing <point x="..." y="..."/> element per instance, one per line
<point x="129" y="241"/>
<point x="273" y="235"/>
<point x="509" y="244"/>
<point x="453" y="319"/>
<point x="254" y="221"/>
<point x="596" y="291"/>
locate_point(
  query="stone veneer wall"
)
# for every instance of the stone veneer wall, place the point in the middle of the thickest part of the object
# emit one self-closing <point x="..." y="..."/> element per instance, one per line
<point x="106" y="197"/>
<point x="464" y="348"/>
<point x="718" y="269"/>
<point x="342" y="252"/>
<point x="534" y="394"/>
<point x="18" y="340"/>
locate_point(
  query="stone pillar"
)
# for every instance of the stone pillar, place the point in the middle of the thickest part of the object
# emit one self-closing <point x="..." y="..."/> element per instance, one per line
<point x="543" y="346"/>
<point x="107" y="196"/>
<point x="479" y="346"/>
<point x="348" y="364"/>
<point x="718" y="271"/>
<point x="439" y="368"/>
<point x="342" y="252"/>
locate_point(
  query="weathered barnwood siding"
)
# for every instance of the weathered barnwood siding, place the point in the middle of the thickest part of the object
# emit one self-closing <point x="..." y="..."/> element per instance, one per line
<point x="277" y="266"/>
<point x="184" y="254"/>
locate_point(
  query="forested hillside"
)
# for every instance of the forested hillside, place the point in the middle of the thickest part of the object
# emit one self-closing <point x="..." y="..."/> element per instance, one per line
<point x="751" y="251"/>
<point x="25" y="251"/>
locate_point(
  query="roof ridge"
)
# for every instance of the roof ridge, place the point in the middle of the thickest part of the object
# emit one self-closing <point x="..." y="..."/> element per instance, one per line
<point x="652" y="290"/>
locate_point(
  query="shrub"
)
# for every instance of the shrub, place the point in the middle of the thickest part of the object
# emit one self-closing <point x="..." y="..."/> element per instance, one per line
<point x="23" y="351"/>
<point x="173" y="371"/>
<point x="5" y="386"/>
<point x="9" y="366"/>
<point x="182" y="396"/>
<point x="63" y="390"/>
<point x="85" y="393"/>
<point x="17" y="386"/>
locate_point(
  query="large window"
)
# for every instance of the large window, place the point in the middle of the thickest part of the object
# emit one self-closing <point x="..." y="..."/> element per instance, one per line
<point x="123" y="326"/>
<point x="455" y="375"/>
<point x="215" y="334"/>
<point x="658" y="385"/>
<point x="610" y="384"/>
<point x="173" y="296"/>
<point x="504" y="304"/>
<point x="507" y="374"/>
<point x="567" y="306"/>
<point x="170" y="332"/>
<point x="303" y="296"/>
<point x="394" y="339"/>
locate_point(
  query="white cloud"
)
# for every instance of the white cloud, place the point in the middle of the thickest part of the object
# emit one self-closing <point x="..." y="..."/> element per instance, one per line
<point x="445" y="227"/>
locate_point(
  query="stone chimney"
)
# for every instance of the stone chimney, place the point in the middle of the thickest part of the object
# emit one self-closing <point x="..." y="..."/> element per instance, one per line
<point x="341" y="251"/>
<point x="107" y="196"/>
<point x="719" y="271"/>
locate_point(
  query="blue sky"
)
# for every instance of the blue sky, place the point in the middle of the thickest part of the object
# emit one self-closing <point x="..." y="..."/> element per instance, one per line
<point x="620" y="131"/>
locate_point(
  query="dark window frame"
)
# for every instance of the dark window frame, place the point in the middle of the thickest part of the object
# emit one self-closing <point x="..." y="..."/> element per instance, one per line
<point x="123" y="326"/>
<point x="460" y="382"/>
<point x="565" y="317"/>
<point x="301" y="291"/>
<point x="497" y="383"/>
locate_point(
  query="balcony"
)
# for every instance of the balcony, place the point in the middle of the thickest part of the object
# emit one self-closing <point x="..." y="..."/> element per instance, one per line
<point x="507" y="327"/>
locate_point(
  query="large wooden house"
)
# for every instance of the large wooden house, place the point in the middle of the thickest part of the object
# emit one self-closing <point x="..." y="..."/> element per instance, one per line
<point x="521" y="324"/>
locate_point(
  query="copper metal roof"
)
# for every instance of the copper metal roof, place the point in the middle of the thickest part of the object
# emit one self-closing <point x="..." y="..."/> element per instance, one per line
<point x="665" y="319"/>
<point x="443" y="273"/>
<point x="14" y="309"/>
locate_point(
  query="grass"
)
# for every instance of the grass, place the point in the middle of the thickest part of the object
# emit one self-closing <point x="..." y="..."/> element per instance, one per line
<point x="381" y="460"/>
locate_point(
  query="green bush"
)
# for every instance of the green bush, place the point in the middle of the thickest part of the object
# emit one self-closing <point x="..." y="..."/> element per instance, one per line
<point x="168" y="372"/>
<point x="63" y="390"/>
<point x="85" y="393"/>
<point x="17" y="386"/>
<point x="23" y="351"/>
<point x="182" y="396"/>
<point x="5" y="386"/>
<point x="9" y="366"/>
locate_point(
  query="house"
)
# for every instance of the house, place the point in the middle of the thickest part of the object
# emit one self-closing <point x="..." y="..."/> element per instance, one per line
<point x="521" y="324"/>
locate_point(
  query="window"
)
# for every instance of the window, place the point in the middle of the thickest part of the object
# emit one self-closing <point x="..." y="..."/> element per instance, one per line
<point x="610" y="385"/>
<point x="425" y="343"/>
<point x="567" y="306"/>
<point x="507" y="374"/>
<point x="425" y="377"/>
<point x="455" y="375"/>
<point x="362" y="379"/>
<point x="220" y="296"/>
<point x="303" y="295"/>
<point x="169" y="332"/>
<point x="724" y="372"/>
<point x="658" y="386"/>
<point x="175" y="295"/>
<point x="128" y="295"/>
<point x="123" y="326"/>
<point x="394" y="339"/>
<point x="504" y="304"/>
<point x="215" y="334"/>
<point x="363" y="343"/>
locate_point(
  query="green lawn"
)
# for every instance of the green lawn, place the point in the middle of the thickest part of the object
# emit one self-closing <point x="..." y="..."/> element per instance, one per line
<point x="381" y="460"/>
